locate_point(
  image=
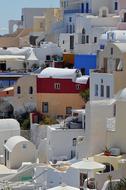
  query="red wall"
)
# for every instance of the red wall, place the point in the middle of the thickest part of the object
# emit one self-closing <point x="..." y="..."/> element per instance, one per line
<point x="46" y="85"/>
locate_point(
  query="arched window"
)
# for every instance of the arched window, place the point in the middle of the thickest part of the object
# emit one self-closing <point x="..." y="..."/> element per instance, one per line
<point x="18" y="90"/>
<point x="83" y="36"/>
<point x="30" y="90"/>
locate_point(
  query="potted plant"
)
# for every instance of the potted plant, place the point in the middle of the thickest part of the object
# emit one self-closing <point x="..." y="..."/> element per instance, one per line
<point x="107" y="152"/>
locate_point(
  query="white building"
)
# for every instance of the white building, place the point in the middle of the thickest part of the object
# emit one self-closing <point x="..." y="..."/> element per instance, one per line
<point x="8" y="128"/>
<point x="63" y="141"/>
<point x="14" y="58"/>
<point x="19" y="150"/>
<point x="85" y="21"/>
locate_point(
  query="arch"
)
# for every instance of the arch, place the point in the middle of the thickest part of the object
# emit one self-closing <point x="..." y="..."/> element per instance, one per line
<point x="13" y="23"/>
<point x="103" y="12"/>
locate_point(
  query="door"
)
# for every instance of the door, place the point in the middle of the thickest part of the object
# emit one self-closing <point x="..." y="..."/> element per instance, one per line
<point x="71" y="42"/>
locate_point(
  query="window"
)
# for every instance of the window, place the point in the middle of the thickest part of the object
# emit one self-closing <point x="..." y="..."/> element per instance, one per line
<point x="111" y="51"/>
<point x="24" y="146"/>
<point x="96" y="90"/>
<point x="70" y="19"/>
<point x="108" y="91"/>
<point x="18" y="90"/>
<point x="101" y="80"/>
<point x="41" y="25"/>
<point x="68" y="110"/>
<point x="74" y="141"/>
<point x="82" y="7"/>
<point x="114" y="110"/>
<point x="95" y="39"/>
<point x="87" y="39"/>
<point x="45" y="107"/>
<point x="83" y="36"/>
<point x="102" y="90"/>
<point x="71" y="28"/>
<point x="116" y="6"/>
<point x="87" y="7"/>
<point x="48" y="57"/>
<point x="63" y="42"/>
<point x="30" y="90"/>
<point x="57" y="86"/>
<point x="77" y="86"/>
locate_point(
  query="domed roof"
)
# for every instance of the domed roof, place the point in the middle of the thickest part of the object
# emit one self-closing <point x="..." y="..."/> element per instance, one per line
<point x="9" y="124"/>
<point x="121" y="95"/>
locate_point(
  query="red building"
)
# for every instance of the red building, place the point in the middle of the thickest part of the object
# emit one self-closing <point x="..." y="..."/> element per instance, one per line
<point x="58" y="91"/>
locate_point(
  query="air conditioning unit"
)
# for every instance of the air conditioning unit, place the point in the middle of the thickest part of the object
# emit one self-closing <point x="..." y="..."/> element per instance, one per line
<point x="115" y="151"/>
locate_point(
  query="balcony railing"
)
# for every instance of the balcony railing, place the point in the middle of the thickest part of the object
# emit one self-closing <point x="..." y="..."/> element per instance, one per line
<point x="77" y="11"/>
<point x="111" y="124"/>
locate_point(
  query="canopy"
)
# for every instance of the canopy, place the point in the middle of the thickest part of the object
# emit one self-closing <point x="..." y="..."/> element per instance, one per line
<point x="64" y="187"/>
<point x="88" y="165"/>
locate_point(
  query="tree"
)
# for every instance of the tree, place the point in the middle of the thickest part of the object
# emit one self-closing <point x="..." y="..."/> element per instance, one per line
<point x="85" y="95"/>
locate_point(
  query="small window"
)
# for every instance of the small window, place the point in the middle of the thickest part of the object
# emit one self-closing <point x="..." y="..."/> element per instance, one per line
<point x="48" y="57"/>
<point x="101" y="80"/>
<point x="102" y="90"/>
<point x="18" y="90"/>
<point x="114" y="110"/>
<point x="95" y="39"/>
<point x="57" y="86"/>
<point x="7" y="92"/>
<point x="30" y="90"/>
<point x="24" y="146"/>
<point x="70" y="19"/>
<point x="77" y="86"/>
<point x="108" y="91"/>
<point x="111" y="51"/>
<point x="96" y="90"/>
<point x="45" y="107"/>
<point x="63" y="42"/>
<point x="68" y="110"/>
<point x="74" y="141"/>
<point x="116" y="6"/>
<point x="87" y="39"/>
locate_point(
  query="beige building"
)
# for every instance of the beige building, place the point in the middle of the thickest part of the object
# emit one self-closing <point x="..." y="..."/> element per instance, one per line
<point x="14" y="40"/>
<point x="24" y="98"/>
<point x="59" y="104"/>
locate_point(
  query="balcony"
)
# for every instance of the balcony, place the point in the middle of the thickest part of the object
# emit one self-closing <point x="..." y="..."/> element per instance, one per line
<point x="110" y="124"/>
<point x="69" y="11"/>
